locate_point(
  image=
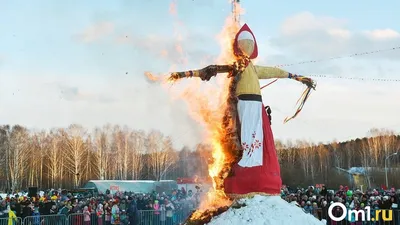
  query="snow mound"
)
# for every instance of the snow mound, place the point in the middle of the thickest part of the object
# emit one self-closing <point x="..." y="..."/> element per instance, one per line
<point x="266" y="210"/>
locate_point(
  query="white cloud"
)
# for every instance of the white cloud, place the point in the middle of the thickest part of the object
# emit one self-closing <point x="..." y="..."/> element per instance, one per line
<point x="307" y="22"/>
<point x="339" y="109"/>
<point x="339" y="33"/>
<point x="315" y="36"/>
<point x="383" y="34"/>
<point x="45" y="101"/>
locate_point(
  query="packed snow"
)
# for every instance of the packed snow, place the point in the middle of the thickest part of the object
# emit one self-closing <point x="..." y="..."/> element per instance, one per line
<point x="266" y="210"/>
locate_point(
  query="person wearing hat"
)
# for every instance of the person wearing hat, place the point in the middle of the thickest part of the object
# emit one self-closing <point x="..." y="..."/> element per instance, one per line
<point x="115" y="214"/>
<point x="36" y="216"/>
<point x="107" y="212"/>
<point x="324" y="191"/>
<point x="64" y="208"/>
<point x="324" y="210"/>
<point x="86" y="215"/>
<point x="308" y="208"/>
<point x="12" y="217"/>
<point x="169" y="206"/>
<point x="124" y="217"/>
<point x="315" y="210"/>
<point x="100" y="213"/>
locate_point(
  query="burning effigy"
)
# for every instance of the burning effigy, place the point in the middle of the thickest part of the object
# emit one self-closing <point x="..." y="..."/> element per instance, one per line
<point x="244" y="160"/>
<point x="251" y="165"/>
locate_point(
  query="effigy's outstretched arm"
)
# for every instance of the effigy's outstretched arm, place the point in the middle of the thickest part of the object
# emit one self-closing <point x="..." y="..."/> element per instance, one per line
<point x="205" y="74"/>
<point x="265" y="72"/>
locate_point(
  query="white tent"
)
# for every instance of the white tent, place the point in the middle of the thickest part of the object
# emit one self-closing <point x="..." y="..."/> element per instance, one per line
<point x="137" y="186"/>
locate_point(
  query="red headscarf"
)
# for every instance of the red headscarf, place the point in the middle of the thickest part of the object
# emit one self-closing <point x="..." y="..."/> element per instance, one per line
<point x="236" y="49"/>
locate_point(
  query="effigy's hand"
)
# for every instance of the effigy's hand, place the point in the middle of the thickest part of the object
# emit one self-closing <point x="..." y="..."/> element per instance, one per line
<point x="208" y="72"/>
<point x="174" y="76"/>
<point x="305" y="80"/>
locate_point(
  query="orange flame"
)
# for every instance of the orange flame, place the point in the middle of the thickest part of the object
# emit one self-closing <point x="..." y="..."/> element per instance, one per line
<point x="209" y="111"/>
<point x="151" y="77"/>
<point x="211" y="118"/>
<point x="162" y="79"/>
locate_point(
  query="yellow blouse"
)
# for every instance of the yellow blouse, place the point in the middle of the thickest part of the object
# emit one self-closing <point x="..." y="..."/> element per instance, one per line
<point x="249" y="84"/>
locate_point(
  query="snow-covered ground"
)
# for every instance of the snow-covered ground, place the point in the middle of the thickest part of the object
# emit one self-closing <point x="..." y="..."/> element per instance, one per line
<point x="266" y="210"/>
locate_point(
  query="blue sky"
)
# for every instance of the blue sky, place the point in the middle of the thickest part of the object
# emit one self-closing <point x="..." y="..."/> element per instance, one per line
<point x="33" y="34"/>
<point x="63" y="62"/>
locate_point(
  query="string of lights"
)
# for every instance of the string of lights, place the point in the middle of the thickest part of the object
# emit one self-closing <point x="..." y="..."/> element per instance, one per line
<point x="340" y="57"/>
<point x="357" y="78"/>
<point x="347" y="78"/>
<point x="347" y="56"/>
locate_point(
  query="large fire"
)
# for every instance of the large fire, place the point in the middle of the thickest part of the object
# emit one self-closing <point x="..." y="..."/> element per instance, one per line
<point x="207" y="105"/>
<point x="216" y="131"/>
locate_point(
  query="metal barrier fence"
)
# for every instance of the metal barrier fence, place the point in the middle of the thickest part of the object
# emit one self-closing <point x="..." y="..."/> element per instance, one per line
<point x="152" y="217"/>
<point x="7" y="221"/>
<point x="146" y="217"/>
<point x="79" y="219"/>
<point x="169" y="217"/>
<point x="45" y="220"/>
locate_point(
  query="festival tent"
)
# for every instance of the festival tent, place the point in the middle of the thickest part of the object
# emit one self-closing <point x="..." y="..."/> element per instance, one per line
<point x="364" y="177"/>
<point x="194" y="183"/>
<point x="137" y="186"/>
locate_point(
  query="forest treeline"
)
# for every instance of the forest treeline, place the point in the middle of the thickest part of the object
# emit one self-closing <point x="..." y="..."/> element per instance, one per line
<point x="69" y="157"/>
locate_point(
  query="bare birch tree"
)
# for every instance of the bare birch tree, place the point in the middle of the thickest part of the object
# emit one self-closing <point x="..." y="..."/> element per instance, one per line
<point x="4" y="155"/>
<point x="337" y="156"/>
<point x="74" y="147"/>
<point x="53" y="158"/>
<point x="375" y="146"/>
<point x="121" y="153"/>
<point x="138" y="139"/>
<point x="388" y="140"/>
<point x="69" y="157"/>
<point x="280" y="150"/>
<point x="18" y="155"/>
<point x="37" y="147"/>
<point x="102" y="146"/>
<point x="323" y="158"/>
<point x="304" y="157"/>
<point x="161" y="154"/>
<point x="291" y="153"/>
<point x="366" y="160"/>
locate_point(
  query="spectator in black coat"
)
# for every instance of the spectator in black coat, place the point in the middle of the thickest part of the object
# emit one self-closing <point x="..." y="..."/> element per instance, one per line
<point x="133" y="212"/>
<point x="323" y="191"/>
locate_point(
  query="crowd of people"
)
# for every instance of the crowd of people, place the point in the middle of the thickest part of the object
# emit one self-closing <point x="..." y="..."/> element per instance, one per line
<point x="316" y="201"/>
<point x="174" y="207"/>
<point x="104" y="209"/>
